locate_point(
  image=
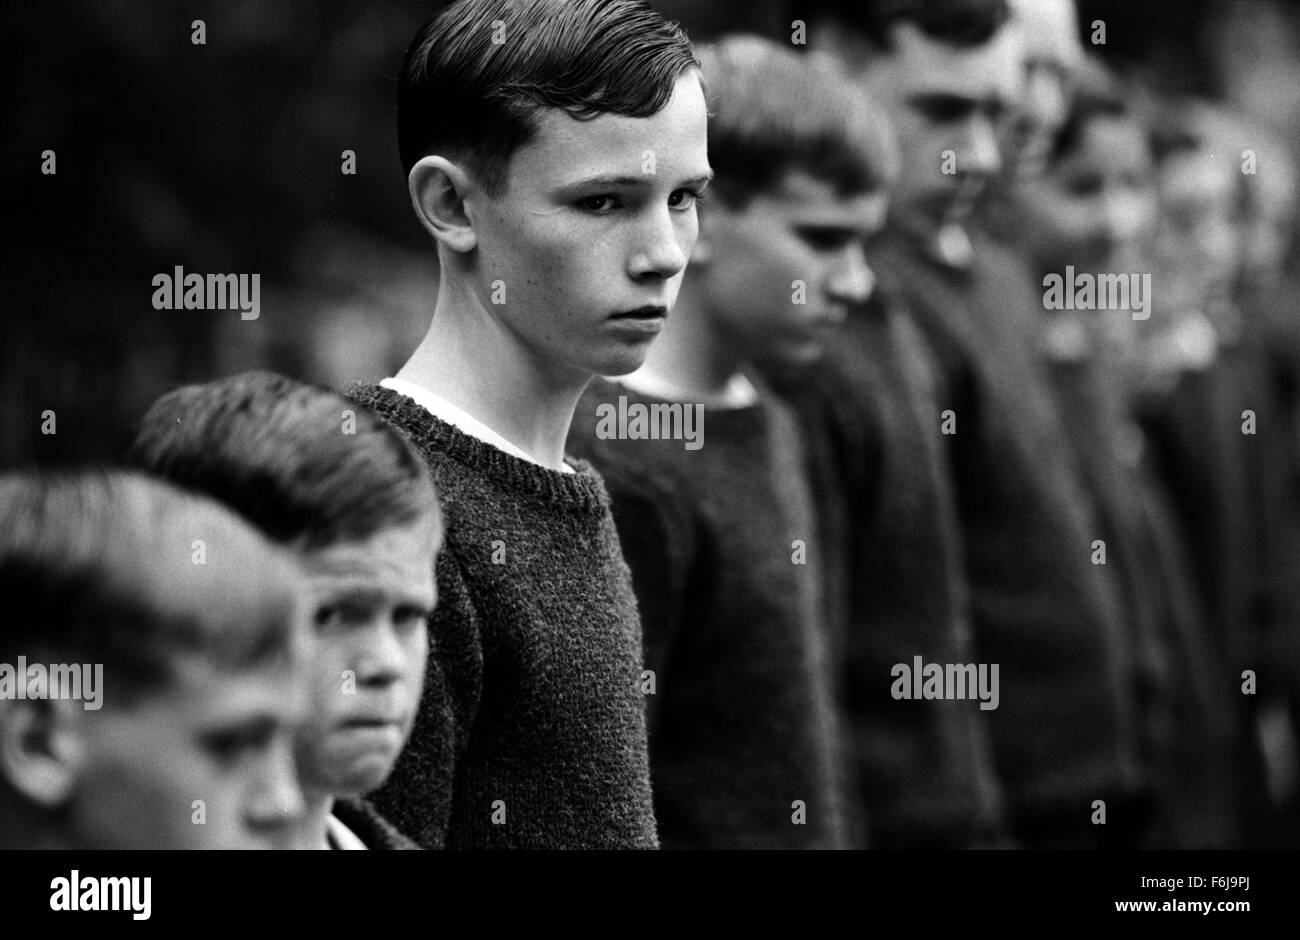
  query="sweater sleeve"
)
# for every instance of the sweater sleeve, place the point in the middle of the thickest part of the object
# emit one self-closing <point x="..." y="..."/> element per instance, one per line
<point x="417" y="796"/>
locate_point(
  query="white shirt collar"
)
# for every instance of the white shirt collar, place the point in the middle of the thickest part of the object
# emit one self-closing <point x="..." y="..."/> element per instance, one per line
<point x="339" y="836"/>
<point x="739" y="393"/>
<point x="444" y="410"/>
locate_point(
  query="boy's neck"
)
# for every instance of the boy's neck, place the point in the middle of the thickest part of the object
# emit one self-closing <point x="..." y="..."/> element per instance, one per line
<point x="316" y="823"/>
<point x="689" y="356"/>
<point x="471" y="360"/>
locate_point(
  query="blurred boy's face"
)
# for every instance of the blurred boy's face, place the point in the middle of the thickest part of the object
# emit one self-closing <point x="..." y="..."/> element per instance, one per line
<point x="1049" y="29"/>
<point x="220" y="736"/>
<point x="1093" y="206"/>
<point x="802" y="232"/>
<point x="943" y="98"/>
<point x="1195" y="245"/>
<point x="593" y="231"/>
<point x="374" y="599"/>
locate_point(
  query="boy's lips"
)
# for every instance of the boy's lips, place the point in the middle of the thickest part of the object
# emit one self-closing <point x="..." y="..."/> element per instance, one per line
<point x="648" y="312"/>
<point x="380" y="717"/>
<point x="648" y="319"/>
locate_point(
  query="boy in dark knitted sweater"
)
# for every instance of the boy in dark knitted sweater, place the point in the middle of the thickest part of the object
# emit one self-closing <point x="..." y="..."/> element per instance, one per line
<point x="948" y="73"/>
<point x="355" y="503"/>
<point x="554" y="151"/>
<point x="926" y="767"/>
<point x="731" y="518"/>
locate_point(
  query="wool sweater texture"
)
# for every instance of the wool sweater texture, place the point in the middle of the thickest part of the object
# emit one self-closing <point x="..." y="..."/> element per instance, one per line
<point x="531" y="731"/>
<point x="1064" y="733"/>
<point x="742" y="625"/>
<point x="925" y="767"/>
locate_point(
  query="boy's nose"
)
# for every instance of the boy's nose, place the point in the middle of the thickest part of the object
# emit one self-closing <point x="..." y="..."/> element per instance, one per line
<point x="852" y="281"/>
<point x="277" y="802"/>
<point x="1046" y="103"/>
<point x="660" y="252"/>
<point x="381" y="657"/>
<point x="979" y="154"/>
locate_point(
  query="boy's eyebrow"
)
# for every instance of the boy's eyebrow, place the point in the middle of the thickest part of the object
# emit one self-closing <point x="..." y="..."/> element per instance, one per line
<point x="363" y="594"/>
<point x="639" y="179"/>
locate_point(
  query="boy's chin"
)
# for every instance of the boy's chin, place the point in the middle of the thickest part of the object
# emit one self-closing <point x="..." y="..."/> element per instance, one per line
<point x="788" y="365"/>
<point x="623" y="361"/>
<point x="363" y="777"/>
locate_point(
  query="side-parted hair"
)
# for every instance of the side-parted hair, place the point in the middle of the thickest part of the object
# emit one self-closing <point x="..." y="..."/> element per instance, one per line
<point x="772" y="110"/>
<point x="477" y="74"/>
<point x="962" y="24"/>
<point x="114" y="568"/>
<point x="299" y="461"/>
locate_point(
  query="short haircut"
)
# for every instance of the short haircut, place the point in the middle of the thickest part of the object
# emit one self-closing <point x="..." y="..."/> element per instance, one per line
<point x="1097" y="93"/>
<point x="114" y="568"/>
<point x="962" y="24"/>
<point x="773" y="111"/>
<point x="301" y="462"/>
<point x="477" y="74"/>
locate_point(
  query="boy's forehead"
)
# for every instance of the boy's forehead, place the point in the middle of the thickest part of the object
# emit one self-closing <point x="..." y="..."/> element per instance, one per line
<point x="567" y="150"/>
<point x="398" y="559"/>
<point x="213" y="694"/>
<point x="1050" y="31"/>
<point x="817" y="201"/>
<point x="991" y="71"/>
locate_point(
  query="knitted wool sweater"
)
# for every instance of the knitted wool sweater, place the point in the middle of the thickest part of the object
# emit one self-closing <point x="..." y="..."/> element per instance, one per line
<point x="926" y="767"/>
<point x="531" y="731"/>
<point x="741" y="635"/>
<point x="1064" y="733"/>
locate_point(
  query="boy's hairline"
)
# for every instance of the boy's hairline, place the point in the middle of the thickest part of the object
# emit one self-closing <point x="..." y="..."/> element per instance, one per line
<point x="465" y="160"/>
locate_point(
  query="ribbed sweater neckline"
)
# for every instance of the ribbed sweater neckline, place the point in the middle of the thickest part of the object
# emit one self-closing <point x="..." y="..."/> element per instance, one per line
<point x="581" y="491"/>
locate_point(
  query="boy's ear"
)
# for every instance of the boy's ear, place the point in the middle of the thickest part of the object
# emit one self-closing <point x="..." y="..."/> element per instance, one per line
<point x="41" y="753"/>
<point x="439" y="189"/>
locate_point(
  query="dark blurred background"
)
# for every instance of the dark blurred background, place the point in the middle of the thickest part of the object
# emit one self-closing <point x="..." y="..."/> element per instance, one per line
<point x="226" y="158"/>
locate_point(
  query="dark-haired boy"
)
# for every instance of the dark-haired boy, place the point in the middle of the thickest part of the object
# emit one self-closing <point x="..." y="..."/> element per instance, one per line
<point x="355" y="504"/>
<point x="554" y="151"/>
<point x="949" y="73"/>
<point x="158" y="643"/>
<point x="729" y="509"/>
